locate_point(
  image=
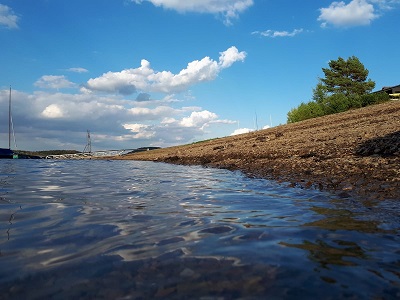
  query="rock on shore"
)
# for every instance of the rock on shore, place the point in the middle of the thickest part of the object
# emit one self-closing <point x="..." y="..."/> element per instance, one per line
<point x="355" y="153"/>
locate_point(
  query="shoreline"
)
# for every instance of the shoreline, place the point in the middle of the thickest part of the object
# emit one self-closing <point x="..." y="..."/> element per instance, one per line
<point x="354" y="153"/>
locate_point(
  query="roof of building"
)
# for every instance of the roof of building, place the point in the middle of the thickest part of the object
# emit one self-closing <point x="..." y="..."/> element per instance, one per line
<point x="390" y="88"/>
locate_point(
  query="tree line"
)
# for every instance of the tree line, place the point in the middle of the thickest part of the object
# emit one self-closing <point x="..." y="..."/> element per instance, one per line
<point x="345" y="86"/>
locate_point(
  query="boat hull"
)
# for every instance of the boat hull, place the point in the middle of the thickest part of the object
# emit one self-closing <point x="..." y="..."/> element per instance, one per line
<point x="7" y="153"/>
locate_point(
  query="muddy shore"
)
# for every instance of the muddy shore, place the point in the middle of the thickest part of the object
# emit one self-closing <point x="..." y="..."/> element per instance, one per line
<point x="356" y="153"/>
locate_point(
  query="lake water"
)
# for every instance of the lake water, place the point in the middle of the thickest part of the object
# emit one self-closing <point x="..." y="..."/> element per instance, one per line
<point x="142" y="230"/>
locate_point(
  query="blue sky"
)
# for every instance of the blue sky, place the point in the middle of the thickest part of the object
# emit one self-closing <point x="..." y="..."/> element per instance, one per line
<point x="167" y="72"/>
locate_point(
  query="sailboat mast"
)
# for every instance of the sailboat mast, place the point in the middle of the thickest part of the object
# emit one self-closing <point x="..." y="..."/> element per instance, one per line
<point x="9" y="120"/>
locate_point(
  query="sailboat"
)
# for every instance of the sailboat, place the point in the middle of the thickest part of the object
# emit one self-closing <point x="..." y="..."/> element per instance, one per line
<point x="7" y="152"/>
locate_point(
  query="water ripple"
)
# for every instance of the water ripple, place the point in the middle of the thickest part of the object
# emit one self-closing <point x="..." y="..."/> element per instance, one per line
<point x="147" y="230"/>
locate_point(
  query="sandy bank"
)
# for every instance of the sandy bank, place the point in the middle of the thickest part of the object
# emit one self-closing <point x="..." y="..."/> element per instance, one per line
<point x="352" y="153"/>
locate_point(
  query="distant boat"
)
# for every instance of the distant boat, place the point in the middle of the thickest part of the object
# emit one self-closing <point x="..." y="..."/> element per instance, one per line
<point x="7" y="152"/>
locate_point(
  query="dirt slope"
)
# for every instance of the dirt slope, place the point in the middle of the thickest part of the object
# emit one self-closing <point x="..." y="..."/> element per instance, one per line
<point x="352" y="153"/>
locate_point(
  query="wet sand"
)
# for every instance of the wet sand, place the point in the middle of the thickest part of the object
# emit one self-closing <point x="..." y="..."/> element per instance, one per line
<point x="355" y="153"/>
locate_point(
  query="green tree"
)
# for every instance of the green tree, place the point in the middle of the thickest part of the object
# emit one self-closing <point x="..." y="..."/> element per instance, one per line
<point x="348" y="77"/>
<point x="320" y="93"/>
<point x="344" y="87"/>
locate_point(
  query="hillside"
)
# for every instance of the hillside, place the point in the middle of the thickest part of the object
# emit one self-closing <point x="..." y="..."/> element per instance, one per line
<point x="352" y="153"/>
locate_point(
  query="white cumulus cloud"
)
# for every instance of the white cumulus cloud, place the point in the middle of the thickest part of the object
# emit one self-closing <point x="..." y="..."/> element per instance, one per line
<point x="140" y="131"/>
<point x="230" y="56"/>
<point x="7" y="17"/>
<point x="172" y="130"/>
<point x="229" y="9"/>
<point x="54" y="119"/>
<point x="54" y="82"/>
<point x="146" y="80"/>
<point x="145" y="113"/>
<point x="241" y="131"/>
<point x="53" y="111"/>
<point x="356" y="12"/>
<point x="198" y="119"/>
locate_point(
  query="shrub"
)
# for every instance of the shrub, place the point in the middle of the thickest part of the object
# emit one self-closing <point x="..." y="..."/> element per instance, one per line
<point x="305" y="111"/>
<point x="336" y="103"/>
<point x="374" y="98"/>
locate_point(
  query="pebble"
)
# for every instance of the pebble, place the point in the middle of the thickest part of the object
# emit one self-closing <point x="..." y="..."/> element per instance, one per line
<point x="187" y="273"/>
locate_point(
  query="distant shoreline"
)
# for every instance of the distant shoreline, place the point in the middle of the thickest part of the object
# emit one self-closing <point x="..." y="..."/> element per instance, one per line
<point x="355" y="153"/>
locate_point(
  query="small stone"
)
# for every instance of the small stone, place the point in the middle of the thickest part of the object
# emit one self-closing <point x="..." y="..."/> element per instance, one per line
<point x="187" y="273"/>
<point x="348" y="188"/>
<point x="219" y="148"/>
<point x="344" y="195"/>
<point x="161" y="293"/>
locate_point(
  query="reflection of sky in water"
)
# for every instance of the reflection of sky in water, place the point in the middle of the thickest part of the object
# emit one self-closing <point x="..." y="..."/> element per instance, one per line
<point x="89" y="215"/>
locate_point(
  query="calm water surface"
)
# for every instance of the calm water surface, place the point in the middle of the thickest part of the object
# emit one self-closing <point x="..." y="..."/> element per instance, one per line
<point x="142" y="230"/>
